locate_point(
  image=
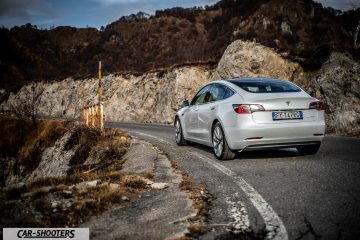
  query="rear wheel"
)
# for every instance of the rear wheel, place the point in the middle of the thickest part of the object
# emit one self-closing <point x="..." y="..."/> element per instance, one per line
<point x="307" y="150"/>
<point x="179" y="136"/>
<point x="220" y="146"/>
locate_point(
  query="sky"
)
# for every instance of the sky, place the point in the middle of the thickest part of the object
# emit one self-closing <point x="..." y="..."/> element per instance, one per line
<point x="97" y="13"/>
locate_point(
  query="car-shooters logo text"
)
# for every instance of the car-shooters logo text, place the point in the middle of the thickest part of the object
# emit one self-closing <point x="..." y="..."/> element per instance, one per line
<point x="46" y="233"/>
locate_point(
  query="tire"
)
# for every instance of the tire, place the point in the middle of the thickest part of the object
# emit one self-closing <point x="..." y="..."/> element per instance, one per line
<point x="308" y="150"/>
<point x="220" y="146"/>
<point x="179" y="136"/>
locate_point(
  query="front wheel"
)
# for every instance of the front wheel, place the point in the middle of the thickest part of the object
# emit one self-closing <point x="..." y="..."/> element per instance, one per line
<point x="308" y="150"/>
<point x="179" y="136"/>
<point x="220" y="146"/>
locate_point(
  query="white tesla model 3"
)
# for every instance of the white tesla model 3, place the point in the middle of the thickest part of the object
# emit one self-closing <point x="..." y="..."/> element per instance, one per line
<point x="250" y="114"/>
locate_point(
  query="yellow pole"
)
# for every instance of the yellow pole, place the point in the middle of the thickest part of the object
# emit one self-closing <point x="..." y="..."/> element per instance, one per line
<point x="100" y="115"/>
<point x="99" y="70"/>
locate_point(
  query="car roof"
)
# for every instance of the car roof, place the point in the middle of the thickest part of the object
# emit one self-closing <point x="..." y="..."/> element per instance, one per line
<point x="255" y="79"/>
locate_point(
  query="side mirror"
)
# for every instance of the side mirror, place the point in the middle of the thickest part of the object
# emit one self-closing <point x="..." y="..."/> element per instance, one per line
<point x="185" y="103"/>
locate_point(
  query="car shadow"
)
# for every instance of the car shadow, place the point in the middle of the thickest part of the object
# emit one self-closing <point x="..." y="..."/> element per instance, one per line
<point x="258" y="154"/>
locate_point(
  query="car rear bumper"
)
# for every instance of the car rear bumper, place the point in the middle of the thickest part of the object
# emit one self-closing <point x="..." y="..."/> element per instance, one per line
<point x="280" y="145"/>
<point x="253" y="136"/>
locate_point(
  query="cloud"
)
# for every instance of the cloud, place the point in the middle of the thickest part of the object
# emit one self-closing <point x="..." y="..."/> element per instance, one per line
<point x="159" y="2"/>
<point x="20" y="11"/>
<point x="109" y="2"/>
<point x="340" y="4"/>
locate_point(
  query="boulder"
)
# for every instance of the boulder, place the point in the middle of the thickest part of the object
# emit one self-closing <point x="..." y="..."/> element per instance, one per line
<point x="337" y="83"/>
<point x="250" y="59"/>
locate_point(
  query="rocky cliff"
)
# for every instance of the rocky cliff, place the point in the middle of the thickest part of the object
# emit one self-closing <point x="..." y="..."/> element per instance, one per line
<point x="149" y="97"/>
<point x="156" y="96"/>
<point x="337" y="83"/>
<point x="303" y="28"/>
<point x="250" y="59"/>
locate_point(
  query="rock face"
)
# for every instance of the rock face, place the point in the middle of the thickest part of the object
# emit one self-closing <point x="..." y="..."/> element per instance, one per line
<point x="171" y="37"/>
<point x="250" y="59"/>
<point x="150" y="97"/>
<point x="54" y="160"/>
<point x="338" y="84"/>
<point x="156" y="96"/>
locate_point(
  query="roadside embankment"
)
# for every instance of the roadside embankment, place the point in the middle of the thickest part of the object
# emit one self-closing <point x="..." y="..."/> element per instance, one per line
<point x="60" y="174"/>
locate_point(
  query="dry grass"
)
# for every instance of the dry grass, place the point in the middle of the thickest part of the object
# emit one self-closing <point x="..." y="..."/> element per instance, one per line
<point x="96" y="200"/>
<point x="22" y="143"/>
<point x="133" y="182"/>
<point x="198" y="229"/>
<point x="104" y="176"/>
<point x="46" y="133"/>
<point x="83" y="139"/>
<point x="14" y="132"/>
<point x="148" y="175"/>
<point x="180" y="238"/>
<point x="85" y="203"/>
<point x="201" y="198"/>
<point x="101" y="151"/>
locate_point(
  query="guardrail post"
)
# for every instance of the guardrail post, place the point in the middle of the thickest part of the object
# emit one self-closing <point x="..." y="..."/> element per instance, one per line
<point x="101" y="112"/>
<point x="86" y="116"/>
<point x="97" y="122"/>
<point x="93" y="116"/>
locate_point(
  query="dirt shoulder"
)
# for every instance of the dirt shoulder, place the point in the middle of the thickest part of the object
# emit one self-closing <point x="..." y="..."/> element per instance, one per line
<point x="158" y="213"/>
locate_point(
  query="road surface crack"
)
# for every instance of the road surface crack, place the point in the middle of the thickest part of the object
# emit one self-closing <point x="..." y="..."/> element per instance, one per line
<point x="310" y="230"/>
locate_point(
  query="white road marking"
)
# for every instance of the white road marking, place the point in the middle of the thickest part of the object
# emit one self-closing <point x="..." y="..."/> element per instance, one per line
<point x="238" y="212"/>
<point x="148" y="135"/>
<point x="273" y="224"/>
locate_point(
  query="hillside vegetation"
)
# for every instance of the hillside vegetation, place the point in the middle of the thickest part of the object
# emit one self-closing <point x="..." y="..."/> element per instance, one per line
<point x="302" y="28"/>
<point x="56" y="174"/>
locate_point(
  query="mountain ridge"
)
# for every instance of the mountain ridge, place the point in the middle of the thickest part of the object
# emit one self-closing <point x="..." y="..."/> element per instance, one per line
<point x="304" y="30"/>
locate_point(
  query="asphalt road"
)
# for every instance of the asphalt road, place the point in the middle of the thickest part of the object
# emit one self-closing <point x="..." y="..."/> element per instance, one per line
<point x="288" y="195"/>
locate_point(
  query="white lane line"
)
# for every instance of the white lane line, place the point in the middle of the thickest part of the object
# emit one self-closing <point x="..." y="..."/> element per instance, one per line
<point x="238" y="212"/>
<point x="273" y="224"/>
<point x="152" y="136"/>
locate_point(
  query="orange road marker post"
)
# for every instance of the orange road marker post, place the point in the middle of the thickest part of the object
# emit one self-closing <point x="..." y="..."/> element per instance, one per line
<point x="101" y="112"/>
<point x="86" y="110"/>
<point x="93" y="116"/>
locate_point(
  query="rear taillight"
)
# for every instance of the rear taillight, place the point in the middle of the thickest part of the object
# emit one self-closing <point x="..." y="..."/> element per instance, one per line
<point x="317" y="105"/>
<point x="247" y="108"/>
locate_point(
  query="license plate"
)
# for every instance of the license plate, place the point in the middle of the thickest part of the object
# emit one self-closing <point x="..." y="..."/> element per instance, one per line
<point x="287" y="115"/>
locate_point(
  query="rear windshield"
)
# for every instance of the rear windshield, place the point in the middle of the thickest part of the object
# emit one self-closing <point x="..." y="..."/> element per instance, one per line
<point x="265" y="86"/>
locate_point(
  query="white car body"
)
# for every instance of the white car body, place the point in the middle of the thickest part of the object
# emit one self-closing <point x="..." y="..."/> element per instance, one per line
<point x="258" y="129"/>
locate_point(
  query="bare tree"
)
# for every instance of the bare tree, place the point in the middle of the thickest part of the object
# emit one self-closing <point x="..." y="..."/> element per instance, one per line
<point x="29" y="107"/>
<point x="356" y="34"/>
<point x="354" y="5"/>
